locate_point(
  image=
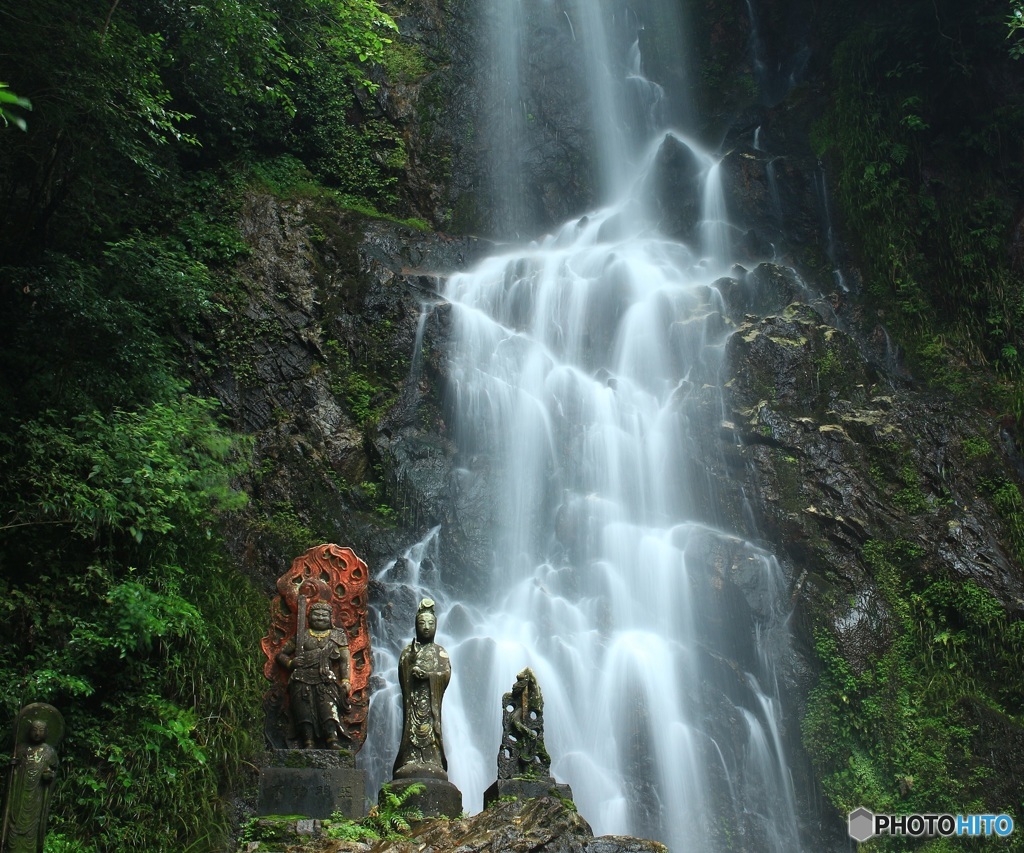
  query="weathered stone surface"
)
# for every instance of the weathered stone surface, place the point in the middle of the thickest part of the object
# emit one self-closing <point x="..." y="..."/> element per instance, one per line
<point x="320" y="373"/>
<point x="314" y="783"/>
<point x="542" y="825"/>
<point x="439" y="797"/>
<point x="840" y="460"/>
<point x="675" y="189"/>
<point x="525" y="789"/>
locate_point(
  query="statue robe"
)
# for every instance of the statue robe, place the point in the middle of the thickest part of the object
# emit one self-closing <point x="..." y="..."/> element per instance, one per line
<point x="29" y="797"/>
<point x="421" y="752"/>
<point x="314" y="686"/>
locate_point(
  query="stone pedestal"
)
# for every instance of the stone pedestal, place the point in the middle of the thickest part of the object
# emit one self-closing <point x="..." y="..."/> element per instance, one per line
<point x="439" y="798"/>
<point x="526" y="789"/>
<point x="313" y="783"/>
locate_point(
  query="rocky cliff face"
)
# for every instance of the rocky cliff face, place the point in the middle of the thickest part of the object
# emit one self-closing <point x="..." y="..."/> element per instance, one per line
<point x="315" y="353"/>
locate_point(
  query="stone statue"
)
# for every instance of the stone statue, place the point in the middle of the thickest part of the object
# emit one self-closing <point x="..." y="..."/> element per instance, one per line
<point x="318" y="653"/>
<point x="317" y="660"/>
<point x="34" y="763"/>
<point x="522" y="753"/>
<point x="424" y="671"/>
<point x="524" y="766"/>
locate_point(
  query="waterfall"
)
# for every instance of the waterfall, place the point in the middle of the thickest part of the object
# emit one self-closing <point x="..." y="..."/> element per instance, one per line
<point x="586" y="373"/>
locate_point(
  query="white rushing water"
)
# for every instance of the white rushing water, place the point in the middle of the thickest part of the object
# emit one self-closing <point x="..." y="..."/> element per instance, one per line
<point x="586" y="374"/>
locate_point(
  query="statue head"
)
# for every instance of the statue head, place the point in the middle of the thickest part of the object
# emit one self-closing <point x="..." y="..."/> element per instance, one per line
<point x="426" y="621"/>
<point x="37" y="731"/>
<point x="320" y="616"/>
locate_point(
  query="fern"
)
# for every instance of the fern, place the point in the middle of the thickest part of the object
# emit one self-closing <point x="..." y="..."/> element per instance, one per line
<point x="392" y="813"/>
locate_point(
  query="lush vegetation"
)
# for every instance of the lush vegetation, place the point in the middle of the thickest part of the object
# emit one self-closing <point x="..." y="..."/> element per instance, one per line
<point x="391" y="818"/>
<point x="897" y="729"/>
<point x="118" y="241"/>
<point x="922" y="134"/>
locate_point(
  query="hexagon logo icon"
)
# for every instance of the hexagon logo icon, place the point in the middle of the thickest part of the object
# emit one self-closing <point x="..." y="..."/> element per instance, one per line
<point x="862" y="824"/>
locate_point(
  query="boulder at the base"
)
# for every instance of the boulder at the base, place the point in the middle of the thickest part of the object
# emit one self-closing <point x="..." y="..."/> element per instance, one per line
<point x="541" y="825"/>
<point x="516" y="826"/>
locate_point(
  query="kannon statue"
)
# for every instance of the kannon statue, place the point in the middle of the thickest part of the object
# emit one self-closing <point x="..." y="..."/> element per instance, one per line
<point x="424" y="671"/>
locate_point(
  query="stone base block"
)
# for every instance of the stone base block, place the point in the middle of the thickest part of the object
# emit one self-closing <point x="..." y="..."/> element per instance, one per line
<point x="313" y="783"/>
<point x="438" y="799"/>
<point x="526" y="789"/>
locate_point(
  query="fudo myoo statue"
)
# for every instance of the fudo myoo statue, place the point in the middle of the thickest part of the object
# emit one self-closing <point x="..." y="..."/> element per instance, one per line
<point x="424" y="671"/>
<point x="33" y="769"/>
<point x="318" y="663"/>
<point x="318" y="653"/>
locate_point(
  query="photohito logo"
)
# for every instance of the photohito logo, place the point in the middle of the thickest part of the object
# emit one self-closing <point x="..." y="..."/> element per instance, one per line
<point x="865" y="824"/>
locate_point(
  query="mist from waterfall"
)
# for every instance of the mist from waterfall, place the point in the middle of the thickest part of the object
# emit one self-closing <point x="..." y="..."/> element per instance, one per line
<point x="586" y="398"/>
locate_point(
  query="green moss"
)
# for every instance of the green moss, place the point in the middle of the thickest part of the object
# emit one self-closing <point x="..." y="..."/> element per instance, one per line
<point x="830" y="365"/>
<point x="928" y="201"/>
<point x="893" y="736"/>
<point x="976" y="447"/>
<point x="285" y="529"/>
<point x="365" y="395"/>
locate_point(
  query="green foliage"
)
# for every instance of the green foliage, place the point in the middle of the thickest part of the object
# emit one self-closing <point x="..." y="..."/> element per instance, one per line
<point x="366" y="396"/>
<point x="362" y="159"/>
<point x="892" y="734"/>
<point x="8" y="100"/>
<point x="1014" y="24"/>
<point x="136" y="472"/>
<point x="119" y="243"/>
<point x="119" y="609"/>
<point x="976" y="447"/>
<point x="344" y="829"/>
<point x="271" y="828"/>
<point x="914" y="135"/>
<point x="287" y="532"/>
<point x="391" y="815"/>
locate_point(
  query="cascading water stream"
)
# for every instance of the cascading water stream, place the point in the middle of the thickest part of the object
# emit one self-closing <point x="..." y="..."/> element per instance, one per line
<point x="586" y="393"/>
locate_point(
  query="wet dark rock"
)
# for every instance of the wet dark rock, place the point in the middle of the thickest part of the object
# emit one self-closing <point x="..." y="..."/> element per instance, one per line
<point x="319" y="375"/>
<point x="776" y="195"/>
<point x="840" y="460"/>
<point x="766" y="289"/>
<point x="675" y="189"/>
<point x="541" y="825"/>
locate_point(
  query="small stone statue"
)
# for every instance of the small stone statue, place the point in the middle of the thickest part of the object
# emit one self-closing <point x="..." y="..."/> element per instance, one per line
<point x="424" y="671"/>
<point x="318" y="655"/>
<point x="317" y="661"/>
<point x="524" y="766"/>
<point x="34" y="763"/>
<point x="522" y="753"/>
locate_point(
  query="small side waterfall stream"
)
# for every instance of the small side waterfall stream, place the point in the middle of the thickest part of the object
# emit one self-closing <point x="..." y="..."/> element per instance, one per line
<point x="587" y="395"/>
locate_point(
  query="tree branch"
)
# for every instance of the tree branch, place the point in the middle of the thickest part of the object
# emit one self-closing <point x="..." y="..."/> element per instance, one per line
<point x="106" y="23"/>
